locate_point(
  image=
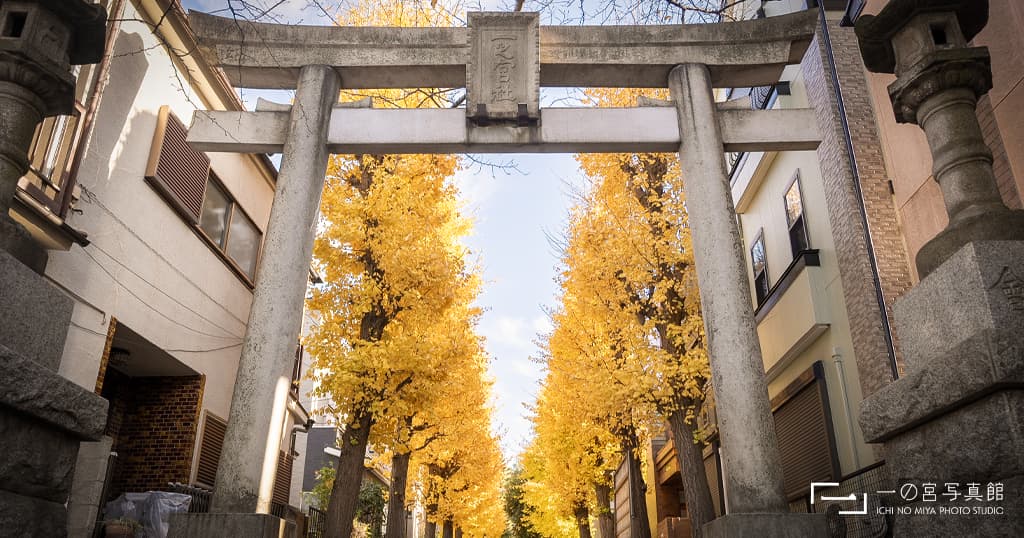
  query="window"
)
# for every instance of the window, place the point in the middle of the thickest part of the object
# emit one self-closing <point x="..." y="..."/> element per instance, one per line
<point x="297" y="369"/>
<point x="184" y="178"/>
<point x="227" y="226"/>
<point x="759" y="260"/>
<point x="798" y="240"/>
<point x="50" y="158"/>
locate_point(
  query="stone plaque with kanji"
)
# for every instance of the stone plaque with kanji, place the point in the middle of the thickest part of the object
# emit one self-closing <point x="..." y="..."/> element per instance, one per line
<point x="503" y="73"/>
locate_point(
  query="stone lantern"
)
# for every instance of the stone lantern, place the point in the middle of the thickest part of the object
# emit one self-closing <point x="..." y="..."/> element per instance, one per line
<point x="39" y="42"/>
<point x="939" y="79"/>
<point x="43" y="417"/>
<point x="955" y="421"/>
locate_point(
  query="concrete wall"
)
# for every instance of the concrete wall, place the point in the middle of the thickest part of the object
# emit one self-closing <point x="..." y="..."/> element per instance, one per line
<point x="810" y="321"/>
<point x="908" y="161"/>
<point x="145" y="266"/>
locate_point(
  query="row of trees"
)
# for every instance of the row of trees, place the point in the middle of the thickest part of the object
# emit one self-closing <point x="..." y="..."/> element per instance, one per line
<point x="396" y="349"/>
<point x="626" y="354"/>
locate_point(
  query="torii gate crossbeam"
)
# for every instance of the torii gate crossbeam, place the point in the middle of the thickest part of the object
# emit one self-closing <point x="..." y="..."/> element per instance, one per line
<point x="646" y="129"/>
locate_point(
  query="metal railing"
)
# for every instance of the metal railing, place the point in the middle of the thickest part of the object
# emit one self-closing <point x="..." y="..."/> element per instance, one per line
<point x="867" y="481"/>
<point x="316" y="523"/>
<point x="761" y="98"/>
<point x="200" y="497"/>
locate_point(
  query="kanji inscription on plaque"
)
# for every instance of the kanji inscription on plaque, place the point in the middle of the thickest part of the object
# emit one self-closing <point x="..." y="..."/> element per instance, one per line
<point x="503" y="73"/>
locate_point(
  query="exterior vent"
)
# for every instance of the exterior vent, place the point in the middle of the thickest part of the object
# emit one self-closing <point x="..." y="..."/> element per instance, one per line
<point x="283" y="481"/>
<point x="210" y="447"/>
<point x="177" y="171"/>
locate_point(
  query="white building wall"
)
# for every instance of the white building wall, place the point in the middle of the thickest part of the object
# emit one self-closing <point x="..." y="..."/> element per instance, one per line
<point x="759" y="189"/>
<point x="145" y="266"/>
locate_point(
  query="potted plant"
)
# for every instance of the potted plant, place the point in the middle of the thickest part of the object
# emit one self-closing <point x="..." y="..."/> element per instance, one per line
<point x="122" y="527"/>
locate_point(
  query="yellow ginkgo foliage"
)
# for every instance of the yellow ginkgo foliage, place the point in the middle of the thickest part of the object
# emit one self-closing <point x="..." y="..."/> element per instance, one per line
<point x="628" y="337"/>
<point x="394" y="305"/>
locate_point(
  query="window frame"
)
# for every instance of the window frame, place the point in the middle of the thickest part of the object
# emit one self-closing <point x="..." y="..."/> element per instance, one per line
<point x="801" y="220"/>
<point x="760" y="293"/>
<point x="61" y="180"/>
<point x="222" y="251"/>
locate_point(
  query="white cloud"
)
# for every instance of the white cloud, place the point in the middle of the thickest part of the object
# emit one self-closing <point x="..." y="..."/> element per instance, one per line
<point x="507" y="331"/>
<point x="542" y="325"/>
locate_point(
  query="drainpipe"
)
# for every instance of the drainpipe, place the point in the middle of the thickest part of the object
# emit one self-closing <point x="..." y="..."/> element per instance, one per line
<point x="879" y="297"/>
<point x="99" y="83"/>
<point x="837" y="359"/>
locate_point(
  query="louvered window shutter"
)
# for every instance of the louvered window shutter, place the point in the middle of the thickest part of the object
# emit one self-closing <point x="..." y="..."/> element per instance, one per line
<point x="210" y="448"/>
<point x="283" y="480"/>
<point x="177" y="171"/>
<point x="803" y="428"/>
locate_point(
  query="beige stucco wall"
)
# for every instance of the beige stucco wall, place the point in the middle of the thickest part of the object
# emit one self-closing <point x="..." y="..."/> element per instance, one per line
<point x="815" y="298"/>
<point x="908" y="161"/>
<point x="145" y="266"/>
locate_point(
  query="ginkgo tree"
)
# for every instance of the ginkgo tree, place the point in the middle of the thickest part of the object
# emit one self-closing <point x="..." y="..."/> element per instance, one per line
<point x="641" y="198"/>
<point x="394" y="302"/>
<point x="628" y="336"/>
<point x="569" y="465"/>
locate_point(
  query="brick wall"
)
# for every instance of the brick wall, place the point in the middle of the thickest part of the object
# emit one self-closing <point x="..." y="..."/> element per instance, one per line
<point x="844" y="202"/>
<point x="154" y="422"/>
<point x="1000" y="161"/>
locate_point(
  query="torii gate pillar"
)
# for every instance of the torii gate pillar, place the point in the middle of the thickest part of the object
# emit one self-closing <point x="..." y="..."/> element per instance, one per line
<point x="248" y="466"/>
<point x="750" y="456"/>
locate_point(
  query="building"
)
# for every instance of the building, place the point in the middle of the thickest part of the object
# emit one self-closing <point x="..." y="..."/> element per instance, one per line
<point x="826" y="260"/>
<point x="831" y="236"/>
<point x="158" y="246"/>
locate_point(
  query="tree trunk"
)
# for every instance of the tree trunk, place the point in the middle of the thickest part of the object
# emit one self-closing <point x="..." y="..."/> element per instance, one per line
<point x="690" y="457"/>
<point x="582" y="520"/>
<point x="605" y="518"/>
<point x="430" y="530"/>
<point x="639" y="523"/>
<point x="447" y="530"/>
<point x="458" y="532"/>
<point x="341" y="510"/>
<point x="396" y="497"/>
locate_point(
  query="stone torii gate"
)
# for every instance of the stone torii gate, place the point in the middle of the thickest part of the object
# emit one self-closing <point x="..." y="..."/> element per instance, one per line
<point x="502" y="59"/>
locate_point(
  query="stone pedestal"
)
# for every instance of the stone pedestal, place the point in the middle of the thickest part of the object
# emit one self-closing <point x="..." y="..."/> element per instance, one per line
<point x="769" y="525"/>
<point x="43" y="416"/>
<point x="225" y="525"/>
<point x="957" y="416"/>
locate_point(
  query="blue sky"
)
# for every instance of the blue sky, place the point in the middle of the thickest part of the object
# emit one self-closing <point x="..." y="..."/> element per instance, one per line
<point x="513" y="212"/>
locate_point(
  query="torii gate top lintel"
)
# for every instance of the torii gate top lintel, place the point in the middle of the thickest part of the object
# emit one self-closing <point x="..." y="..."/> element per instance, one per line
<point x="502" y="59"/>
<point x="738" y="54"/>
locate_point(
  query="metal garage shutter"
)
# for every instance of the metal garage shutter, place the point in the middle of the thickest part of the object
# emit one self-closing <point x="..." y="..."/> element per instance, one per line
<point x="804" y="429"/>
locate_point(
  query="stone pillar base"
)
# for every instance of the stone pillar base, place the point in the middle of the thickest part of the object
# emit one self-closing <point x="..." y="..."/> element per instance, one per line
<point x="957" y="416"/>
<point x="768" y="525"/>
<point x="230" y="525"/>
<point x="43" y="418"/>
